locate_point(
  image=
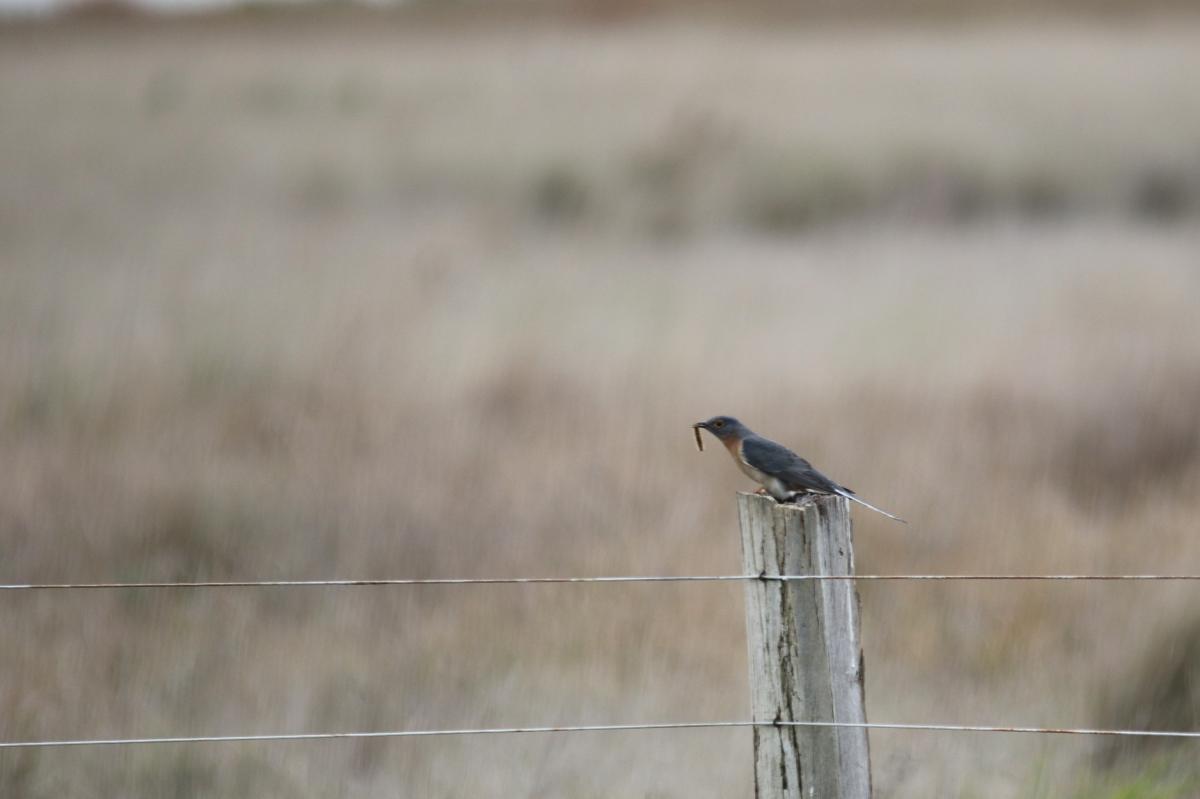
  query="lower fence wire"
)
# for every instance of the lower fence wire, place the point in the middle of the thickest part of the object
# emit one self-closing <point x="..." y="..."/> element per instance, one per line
<point x="318" y="736"/>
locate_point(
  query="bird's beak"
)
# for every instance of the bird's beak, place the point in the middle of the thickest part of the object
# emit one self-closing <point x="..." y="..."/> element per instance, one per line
<point x="700" y="426"/>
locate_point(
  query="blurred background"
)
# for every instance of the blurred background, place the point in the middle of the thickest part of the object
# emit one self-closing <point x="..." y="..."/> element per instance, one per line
<point x="436" y="290"/>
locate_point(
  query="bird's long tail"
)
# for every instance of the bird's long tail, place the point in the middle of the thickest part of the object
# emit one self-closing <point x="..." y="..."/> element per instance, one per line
<point x="841" y="492"/>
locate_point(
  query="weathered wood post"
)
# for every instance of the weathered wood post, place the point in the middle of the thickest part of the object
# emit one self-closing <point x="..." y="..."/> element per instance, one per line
<point x="805" y="656"/>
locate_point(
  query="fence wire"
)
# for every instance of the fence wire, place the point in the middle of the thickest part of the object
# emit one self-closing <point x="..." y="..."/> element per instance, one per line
<point x="685" y="725"/>
<point x="620" y="579"/>
<point x="592" y="727"/>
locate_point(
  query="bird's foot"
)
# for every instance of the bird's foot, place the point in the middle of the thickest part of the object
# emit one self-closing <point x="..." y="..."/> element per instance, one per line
<point x="761" y="492"/>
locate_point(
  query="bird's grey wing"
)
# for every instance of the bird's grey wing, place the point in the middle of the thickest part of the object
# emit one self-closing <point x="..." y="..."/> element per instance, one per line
<point x="779" y="461"/>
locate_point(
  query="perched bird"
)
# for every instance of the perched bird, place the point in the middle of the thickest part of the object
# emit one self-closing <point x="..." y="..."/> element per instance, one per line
<point x="782" y="473"/>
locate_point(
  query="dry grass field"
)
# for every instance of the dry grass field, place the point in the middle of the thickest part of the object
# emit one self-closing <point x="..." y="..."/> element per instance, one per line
<point x="357" y="300"/>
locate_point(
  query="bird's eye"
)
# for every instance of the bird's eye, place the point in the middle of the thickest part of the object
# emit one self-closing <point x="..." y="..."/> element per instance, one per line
<point x="718" y="424"/>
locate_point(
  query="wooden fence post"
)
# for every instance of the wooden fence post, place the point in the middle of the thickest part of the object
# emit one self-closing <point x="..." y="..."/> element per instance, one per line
<point x="805" y="656"/>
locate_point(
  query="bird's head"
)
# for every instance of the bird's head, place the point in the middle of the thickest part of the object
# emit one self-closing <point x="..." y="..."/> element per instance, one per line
<point x="723" y="427"/>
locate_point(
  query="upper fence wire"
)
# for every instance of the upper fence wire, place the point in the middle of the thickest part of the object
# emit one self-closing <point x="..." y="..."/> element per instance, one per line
<point x="617" y="579"/>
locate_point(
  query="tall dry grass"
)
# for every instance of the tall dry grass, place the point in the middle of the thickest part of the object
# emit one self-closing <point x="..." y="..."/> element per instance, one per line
<point x="381" y="304"/>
